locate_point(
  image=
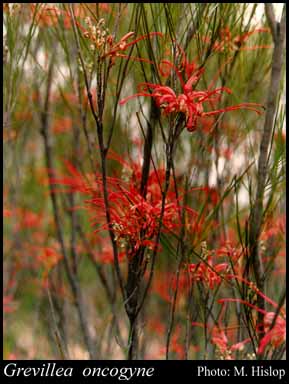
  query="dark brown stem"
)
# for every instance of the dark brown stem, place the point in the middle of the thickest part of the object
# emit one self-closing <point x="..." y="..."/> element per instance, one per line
<point x="103" y="152"/>
<point x="148" y="148"/>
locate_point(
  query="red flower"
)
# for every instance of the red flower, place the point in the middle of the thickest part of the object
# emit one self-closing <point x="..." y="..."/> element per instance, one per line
<point x="220" y="338"/>
<point x="212" y="195"/>
<point x="117" y="49"/>
<point x="208" y="273"/>
<point x="275" y="336"/>
<point x="165" y="285"/>
<point x="7" y="212"/>
<point x="190" y="102"/>
<point x="227" y="42"/>
<point x="49" y="16"/>
<point x="134" y="220"/>
<point x="103" y="254"/>
<point x="176" y="344"/>
<point x="8" y="304"/>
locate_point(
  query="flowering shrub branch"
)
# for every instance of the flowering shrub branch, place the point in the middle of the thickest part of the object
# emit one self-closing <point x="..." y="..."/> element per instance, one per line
<point x="134" y="220"/>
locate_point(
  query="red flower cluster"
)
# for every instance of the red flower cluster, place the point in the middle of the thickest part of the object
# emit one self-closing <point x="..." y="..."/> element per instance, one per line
<point x="190" y="101"/>
<point x="134" y="220"/>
